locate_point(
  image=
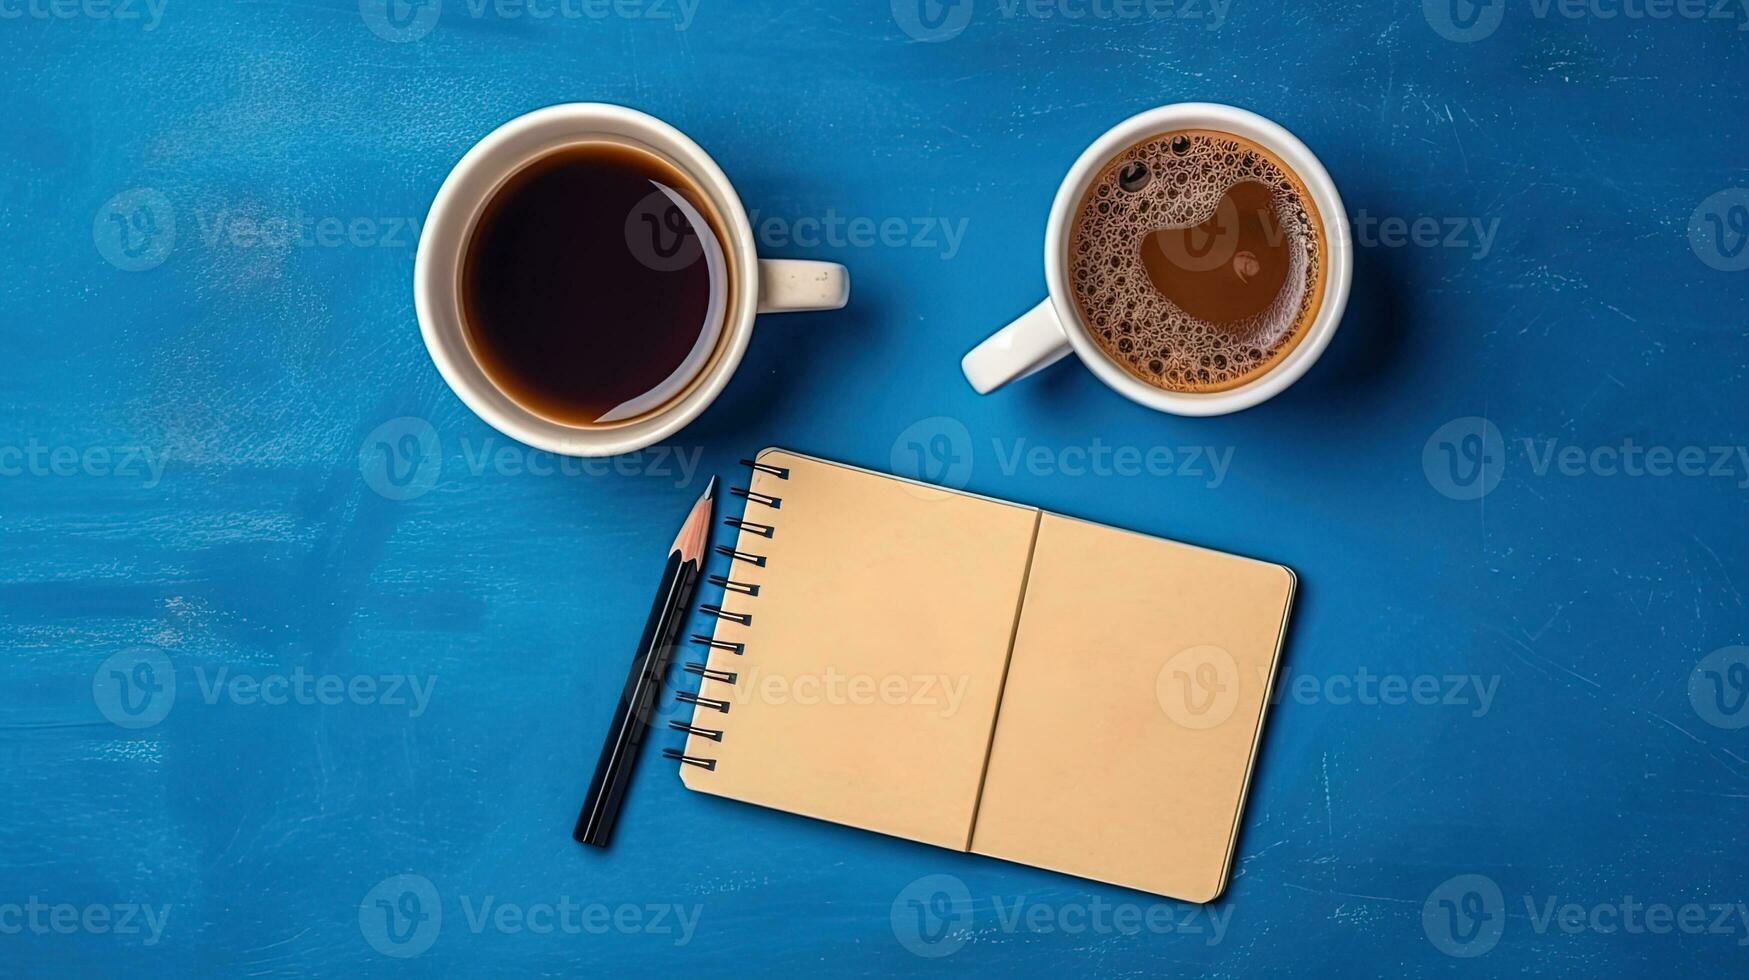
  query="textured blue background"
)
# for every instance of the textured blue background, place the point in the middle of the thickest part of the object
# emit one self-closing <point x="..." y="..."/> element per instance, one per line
<point x="264" y="371"/>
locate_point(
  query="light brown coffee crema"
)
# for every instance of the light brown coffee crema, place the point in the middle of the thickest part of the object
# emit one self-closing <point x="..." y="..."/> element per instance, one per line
<point x="1179" y="180"/>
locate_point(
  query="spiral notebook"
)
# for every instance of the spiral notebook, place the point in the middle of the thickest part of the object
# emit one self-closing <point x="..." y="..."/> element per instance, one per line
<point x="985" y="676"/>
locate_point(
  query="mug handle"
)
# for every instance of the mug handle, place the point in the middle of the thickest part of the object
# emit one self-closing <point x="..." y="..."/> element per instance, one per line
<point x="1032" y="343"/>
<point x="801" y="285"/>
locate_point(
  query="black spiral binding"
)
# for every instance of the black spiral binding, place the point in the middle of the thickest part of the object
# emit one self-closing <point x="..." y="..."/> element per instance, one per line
<point x="749" y="558"/>
<point x="704" y="670"/>
<point x="745" y="619"/>
<point x="714" y="734"/>
<point x="751" y="527"/>
<point x="699" y="701"/>
<point x="691" y="760"/>
<point x="780" y="472"/>
<point x="730" y="587"/>
<point x="759" y="498"/>
<point x="715" y="644"/>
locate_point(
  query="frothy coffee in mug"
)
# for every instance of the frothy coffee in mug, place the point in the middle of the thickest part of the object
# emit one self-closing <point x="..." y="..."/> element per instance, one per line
<point x="1197" y="260"/>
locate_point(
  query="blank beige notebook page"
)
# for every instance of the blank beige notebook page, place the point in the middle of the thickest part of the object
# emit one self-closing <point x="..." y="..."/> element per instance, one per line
<point x="874" y="660"/>
<point x="1130" y="719"/>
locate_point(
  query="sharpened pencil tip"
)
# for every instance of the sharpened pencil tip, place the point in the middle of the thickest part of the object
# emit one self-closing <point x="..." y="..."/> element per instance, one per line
<point x="695" y="532"/>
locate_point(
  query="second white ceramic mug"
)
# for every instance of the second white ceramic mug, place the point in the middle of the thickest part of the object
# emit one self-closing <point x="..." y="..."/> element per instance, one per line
<point x="1052" y="330"/>
<point x="762" y="285"/>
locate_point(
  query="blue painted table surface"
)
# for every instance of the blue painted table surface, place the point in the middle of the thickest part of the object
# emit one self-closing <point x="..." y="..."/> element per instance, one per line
<point x="305" y="668"/>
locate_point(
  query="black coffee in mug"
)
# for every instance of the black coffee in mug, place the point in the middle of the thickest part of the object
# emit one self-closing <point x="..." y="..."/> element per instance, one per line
<point x="595" y="284"/>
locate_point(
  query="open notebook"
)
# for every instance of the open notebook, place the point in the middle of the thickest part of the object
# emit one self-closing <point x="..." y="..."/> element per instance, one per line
<point x="987" y="677"/>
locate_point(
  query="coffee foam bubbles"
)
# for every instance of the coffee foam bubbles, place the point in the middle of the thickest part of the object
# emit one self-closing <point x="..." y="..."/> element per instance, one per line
<point x="1187" y="177"/>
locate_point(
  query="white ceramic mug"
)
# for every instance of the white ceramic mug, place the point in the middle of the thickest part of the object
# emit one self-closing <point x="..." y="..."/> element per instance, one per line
<point x="1052" y="330"/>
<point x="762" y="285"/>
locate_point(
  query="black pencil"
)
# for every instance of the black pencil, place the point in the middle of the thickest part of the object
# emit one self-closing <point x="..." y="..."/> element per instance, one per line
<point x="631" y="719"/>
